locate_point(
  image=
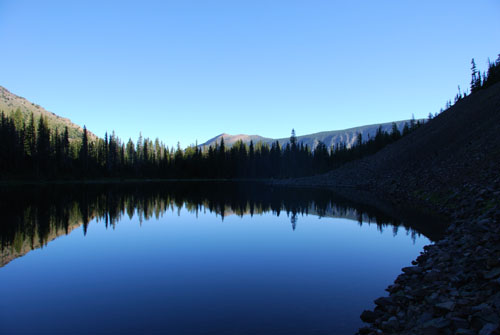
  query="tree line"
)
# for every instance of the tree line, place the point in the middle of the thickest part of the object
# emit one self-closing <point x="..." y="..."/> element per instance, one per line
<point x="29" y="148"/>
<point x="32" y="150"/>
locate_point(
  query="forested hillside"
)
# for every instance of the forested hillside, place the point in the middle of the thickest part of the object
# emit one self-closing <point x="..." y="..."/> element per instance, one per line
<point x="455" y="154"/>
<point x="21" y="109"/>
<point x="31" y="148"/>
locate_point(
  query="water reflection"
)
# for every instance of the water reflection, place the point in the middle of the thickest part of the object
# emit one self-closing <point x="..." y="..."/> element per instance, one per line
<point x="34" y="215"/>
<point x="195" y="258"/>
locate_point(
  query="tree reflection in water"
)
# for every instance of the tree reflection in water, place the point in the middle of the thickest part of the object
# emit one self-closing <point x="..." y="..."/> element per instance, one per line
<point x="34" y="215"/>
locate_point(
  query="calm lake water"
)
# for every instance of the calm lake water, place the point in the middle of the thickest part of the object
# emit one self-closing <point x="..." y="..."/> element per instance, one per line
<point x="193" y="258"/>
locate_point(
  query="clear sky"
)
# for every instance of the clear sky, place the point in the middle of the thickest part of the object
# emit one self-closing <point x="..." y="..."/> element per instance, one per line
<point x="190" y="70"/>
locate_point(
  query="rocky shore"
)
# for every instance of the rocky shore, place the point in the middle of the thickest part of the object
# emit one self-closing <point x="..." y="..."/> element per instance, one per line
<point x="449" y="166"/>
<point x="453" y="287"/>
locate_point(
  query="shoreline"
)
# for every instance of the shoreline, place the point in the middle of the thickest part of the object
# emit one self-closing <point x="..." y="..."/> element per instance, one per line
<point x="16" y="182"/>
<point x="453" y="287"/>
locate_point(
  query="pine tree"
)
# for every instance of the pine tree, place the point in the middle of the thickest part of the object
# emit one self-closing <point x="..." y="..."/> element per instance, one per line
<point x="359" y="140"/>
<point x="57" y="148"/>
<point x="251" y="160"/>
<point x="43" y="145"/>
<point x="65" y="148"/>
<point x="406" y="129"/>
<point x="130" y="154"/>
<point x="84" y="151"/>
<point x="293" y="140"/>
<point x="474" y="77"/>
<point x="222" y="147"/>
<point x="139" y="151"/>
<point x="30" y="137"/>
<point x="18" y="118"/>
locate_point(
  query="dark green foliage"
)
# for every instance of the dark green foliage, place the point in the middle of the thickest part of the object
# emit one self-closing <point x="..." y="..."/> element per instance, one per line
<point x="84" y="152"/>
<point x="36" y="152"/>
<point x="30" y="137"/>
<point x="29" y="149"/>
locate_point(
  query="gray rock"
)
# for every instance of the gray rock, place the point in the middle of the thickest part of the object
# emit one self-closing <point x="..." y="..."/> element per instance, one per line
<point x="426" y="316"/>
<point x="447" y="306"/>
<point x="419" y="293"/>
<point x="459" y="323"/>
<point x="365" y="331"/>
<point x="488" y="315"/>
<point x="453" y="287"/>
<point x="445" y="257"/>
<point x="488" y="329"/>
<point x="368" y="316"/>
<point x="393" y="288"/>
<point x="432" y="276"/>
<point x="462" y="331"/>
<point x="496" y="301"/>
<point x="492" y="274"/>
<point x="429" y="330"/>
<point x="412" y="270"/>
<point x="492" y="261"/>
<point x="438" y="323"/>
<point x="384" y="302"/>
<point x="392" y="324"/>
<point x="480" y="307"/>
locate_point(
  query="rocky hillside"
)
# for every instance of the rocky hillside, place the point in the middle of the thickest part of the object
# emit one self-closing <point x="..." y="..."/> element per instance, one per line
<point x="452" y="166"/>
<point x="330" y="138"/>
<point x="10" y="103"/>
<point x="456" y="153"/>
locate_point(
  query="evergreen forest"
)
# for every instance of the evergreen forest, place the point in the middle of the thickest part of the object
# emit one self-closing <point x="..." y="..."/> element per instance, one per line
<point x="30" y="149"/>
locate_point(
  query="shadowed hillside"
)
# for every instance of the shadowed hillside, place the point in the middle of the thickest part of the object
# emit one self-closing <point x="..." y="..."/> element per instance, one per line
<point x="450" y="165"/>
<point x="458" y="152"/>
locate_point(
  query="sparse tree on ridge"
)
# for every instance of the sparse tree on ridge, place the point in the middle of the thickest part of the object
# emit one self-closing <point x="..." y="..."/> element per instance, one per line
<point x="475" y="82"/>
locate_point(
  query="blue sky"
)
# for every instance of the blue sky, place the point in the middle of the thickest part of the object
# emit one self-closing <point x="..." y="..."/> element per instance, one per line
<point x="190" y="70"/>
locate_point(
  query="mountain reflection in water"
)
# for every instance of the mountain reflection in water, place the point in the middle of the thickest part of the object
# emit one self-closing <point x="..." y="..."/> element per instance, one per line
<point x="32" y="216"/>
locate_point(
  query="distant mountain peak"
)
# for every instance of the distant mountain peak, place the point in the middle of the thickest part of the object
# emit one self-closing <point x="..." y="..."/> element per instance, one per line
<point x="332" y="137"/>
<point x="229" y="139"/>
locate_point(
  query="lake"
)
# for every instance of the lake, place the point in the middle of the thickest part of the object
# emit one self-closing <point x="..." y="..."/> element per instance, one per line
<point x="193" y="258"/>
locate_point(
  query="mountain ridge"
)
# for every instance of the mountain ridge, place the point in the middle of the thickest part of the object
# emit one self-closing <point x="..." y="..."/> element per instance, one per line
<point x="229" y="139"/>
<point x="10" y="103"/>
<point x="328" y="137"/>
